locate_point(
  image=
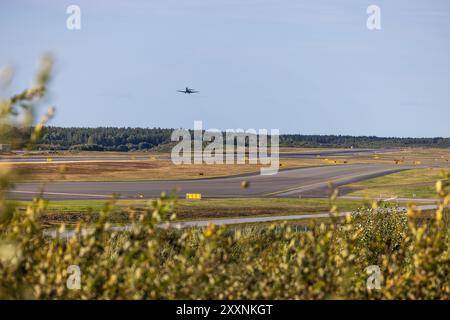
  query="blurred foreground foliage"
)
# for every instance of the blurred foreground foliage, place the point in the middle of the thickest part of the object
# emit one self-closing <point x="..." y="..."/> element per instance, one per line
<point x="327" y="261"/>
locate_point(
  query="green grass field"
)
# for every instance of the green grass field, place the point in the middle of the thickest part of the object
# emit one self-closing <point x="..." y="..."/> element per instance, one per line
<point x="73" y="210"/>
<point x="420" y="192"/>
<point x="417" y="183"/>
<point x="406" y="177"/>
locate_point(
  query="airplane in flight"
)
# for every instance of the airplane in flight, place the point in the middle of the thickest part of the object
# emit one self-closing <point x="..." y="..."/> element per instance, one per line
<point x="187" y="90"/>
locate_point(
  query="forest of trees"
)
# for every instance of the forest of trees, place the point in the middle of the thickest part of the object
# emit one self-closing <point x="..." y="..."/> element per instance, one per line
<point x="129" y="139"/>
<point x="104" y="138"/>
<point x="298" y="140"/>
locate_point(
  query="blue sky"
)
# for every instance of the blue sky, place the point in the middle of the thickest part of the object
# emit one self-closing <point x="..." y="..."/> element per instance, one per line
<point x="308" y="67"/>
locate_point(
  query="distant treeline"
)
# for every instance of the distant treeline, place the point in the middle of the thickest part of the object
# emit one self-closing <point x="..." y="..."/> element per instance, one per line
<point x="299" y="140"/>
<point x="129" y="139"/>
<point x="104" y="138"/>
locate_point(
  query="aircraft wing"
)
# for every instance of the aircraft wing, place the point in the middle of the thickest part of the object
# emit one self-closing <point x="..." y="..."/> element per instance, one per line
<point x="181" y="91"/>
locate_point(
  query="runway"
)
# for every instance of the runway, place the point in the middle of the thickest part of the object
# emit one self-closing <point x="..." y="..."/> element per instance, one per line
<point x="305" y="182"/>
<point x="243" y="220"/>
<point x="140" y="157"/>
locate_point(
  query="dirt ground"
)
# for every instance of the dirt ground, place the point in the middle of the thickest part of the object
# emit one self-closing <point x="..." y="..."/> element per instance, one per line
<point x="157" y="168"/>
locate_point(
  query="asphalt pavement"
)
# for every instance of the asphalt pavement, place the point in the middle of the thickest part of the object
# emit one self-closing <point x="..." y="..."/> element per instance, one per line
<point x="307" y="182"/>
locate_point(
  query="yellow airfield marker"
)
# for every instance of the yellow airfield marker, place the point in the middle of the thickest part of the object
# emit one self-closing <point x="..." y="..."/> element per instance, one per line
<point x="193" y="196"/>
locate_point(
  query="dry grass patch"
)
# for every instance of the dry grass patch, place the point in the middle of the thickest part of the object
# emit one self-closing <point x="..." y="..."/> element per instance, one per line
<point x="122" y="170"/>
